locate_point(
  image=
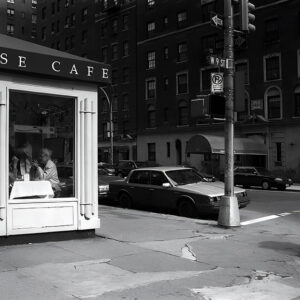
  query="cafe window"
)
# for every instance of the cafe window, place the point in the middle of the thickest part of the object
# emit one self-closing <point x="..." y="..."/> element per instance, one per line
<point x="41" y="142"/>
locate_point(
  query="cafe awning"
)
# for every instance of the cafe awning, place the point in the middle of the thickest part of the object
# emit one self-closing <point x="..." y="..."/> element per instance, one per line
<point x="25" y="57"/>
<point x="201" y="144"/>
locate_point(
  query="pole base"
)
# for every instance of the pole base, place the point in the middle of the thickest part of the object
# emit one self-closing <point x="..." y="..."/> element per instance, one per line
<point x="229" y="214"/>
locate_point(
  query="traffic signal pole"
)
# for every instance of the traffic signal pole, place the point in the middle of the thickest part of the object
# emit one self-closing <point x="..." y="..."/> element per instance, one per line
<point x="229" y="215"/>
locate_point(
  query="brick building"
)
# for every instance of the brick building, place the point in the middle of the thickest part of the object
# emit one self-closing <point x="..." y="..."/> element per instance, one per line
<point x="173" y="43"/>
<point x="103" y="31"/>
<point x="18" y="18"/>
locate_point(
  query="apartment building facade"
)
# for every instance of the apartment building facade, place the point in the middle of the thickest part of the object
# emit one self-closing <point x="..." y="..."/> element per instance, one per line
<point x="18" y="18"/>
<point x="174" y="41"/>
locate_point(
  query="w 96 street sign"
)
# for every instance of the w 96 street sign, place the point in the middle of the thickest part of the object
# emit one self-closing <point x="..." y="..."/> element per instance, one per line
<point x="217" y="83"/>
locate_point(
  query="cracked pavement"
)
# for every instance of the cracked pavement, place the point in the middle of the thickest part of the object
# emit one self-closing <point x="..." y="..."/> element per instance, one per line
<point x="145" y="255"/>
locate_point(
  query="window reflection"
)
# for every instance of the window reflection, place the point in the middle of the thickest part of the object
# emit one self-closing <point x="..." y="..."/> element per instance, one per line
<point x="41" y="145"/>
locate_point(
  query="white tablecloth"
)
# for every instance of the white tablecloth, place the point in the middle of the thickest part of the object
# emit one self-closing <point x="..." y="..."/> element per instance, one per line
<point x="22" y="189"/>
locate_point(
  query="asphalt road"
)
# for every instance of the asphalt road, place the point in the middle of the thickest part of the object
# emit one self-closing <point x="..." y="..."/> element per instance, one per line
<point x="273" y="202"/>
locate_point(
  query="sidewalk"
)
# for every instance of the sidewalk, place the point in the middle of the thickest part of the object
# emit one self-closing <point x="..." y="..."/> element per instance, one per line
<point x="142" y="255"/>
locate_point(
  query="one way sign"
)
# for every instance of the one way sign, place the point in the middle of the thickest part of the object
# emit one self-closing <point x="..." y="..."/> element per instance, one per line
<point x="216" y="20"/>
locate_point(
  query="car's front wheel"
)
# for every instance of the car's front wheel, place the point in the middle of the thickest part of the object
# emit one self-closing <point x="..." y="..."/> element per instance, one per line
<point x="265" y="185"/>
<point x="125" y="201"/>
<point x="187" y="208"/>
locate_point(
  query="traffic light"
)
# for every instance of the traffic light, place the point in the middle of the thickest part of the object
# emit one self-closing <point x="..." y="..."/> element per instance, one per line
<point x="246" y="16"/>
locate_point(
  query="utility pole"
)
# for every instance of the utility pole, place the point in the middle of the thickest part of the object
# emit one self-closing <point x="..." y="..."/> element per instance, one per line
<point x="110" y="126"/>
<point x="229" y="215"/>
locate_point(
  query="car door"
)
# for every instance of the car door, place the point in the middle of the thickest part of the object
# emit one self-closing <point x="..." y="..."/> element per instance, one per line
<point x="239" y="177"/>
<point x="161" y="196"/>
<point x="139" y="188"/>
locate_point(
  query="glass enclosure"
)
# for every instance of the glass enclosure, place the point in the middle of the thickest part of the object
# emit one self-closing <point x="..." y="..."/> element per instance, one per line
<point x="41" y="145"/>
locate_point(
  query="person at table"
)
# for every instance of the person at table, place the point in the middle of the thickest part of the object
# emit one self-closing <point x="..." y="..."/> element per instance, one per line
<point x="48" y="171"/>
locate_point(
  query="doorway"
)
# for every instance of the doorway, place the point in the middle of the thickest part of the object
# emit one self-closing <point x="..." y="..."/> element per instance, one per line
<point x="178" y="146"/>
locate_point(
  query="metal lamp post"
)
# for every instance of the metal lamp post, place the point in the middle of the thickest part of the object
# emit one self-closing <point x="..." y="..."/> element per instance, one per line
<point x="110" y="126"/>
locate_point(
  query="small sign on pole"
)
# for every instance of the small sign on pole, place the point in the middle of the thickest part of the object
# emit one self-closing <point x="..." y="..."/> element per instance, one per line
<point x="217" y="83"/>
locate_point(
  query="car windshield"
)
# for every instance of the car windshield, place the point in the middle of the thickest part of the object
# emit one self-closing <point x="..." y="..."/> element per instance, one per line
<point x="185" y="176"/>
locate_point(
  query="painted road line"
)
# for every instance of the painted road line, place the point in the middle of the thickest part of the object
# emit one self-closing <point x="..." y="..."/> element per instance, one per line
<point x="260" y="220"/>
<point x="284" y="214"/>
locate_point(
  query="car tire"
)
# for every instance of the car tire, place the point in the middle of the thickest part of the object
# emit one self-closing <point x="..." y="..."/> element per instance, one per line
<point x="265" y="185"/>
<point x="187" y="208"/>
<point x="125" y="201"/>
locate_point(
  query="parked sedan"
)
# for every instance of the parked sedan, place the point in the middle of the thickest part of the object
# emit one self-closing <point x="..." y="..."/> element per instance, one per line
<point x="104" y="179"/>
<point x="177" y="188"/>
<point x="250" y="176"/>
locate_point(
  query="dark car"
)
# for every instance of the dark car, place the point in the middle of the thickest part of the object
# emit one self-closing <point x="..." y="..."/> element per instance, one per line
<point x="124" y="167"/>
<point x="65" y="175"/>
<point x="176" y="188"/>
<point x="111" y="169"/>
<point x="250" y="176"/>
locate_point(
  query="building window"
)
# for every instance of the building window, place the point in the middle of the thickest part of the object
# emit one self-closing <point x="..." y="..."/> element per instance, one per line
<point x="151" y="152"/>
<point x="297" y="103"/>
<point x="151" y="60"/>
<point x="114" y="52"/>
<point x="274" y="103"/>
<point x="57" y="5"/>
<point x="166" y="53"/>
<point x="43" y="13"/>
<point x="67" y="21"/>
<point x="272" y="67"/>
<point x="125" y="103"/>
<point x="84" y="14"/>
<point x="166" y="83"/>
<point x="279" y="152"/>
<point x="103" y="29"/>
<point x="53" y="8"/>
<point x="115" y="26"/>
<point x="33" y="18"/>
<point x="181" y="19"/>
<point x="73" y="20"/>
<point x="183" y="117"/>
<point x="271" y="30"/>
<point x="207" y="9"/>
<point x="44" y="33"/>
<point x="114" y="77"/>
<point x="104" y="54"/>
<point x="182" y="54"/>
<point x="242" y="66"/>
<point x="125" y="23"/>
<point x="57" y="26"/>
<point x="10" y="12"/>
<point x="150" y="28"/>
<point x="151" y="117"/>
<point x="125" y="48"/>
<point x="150" y="3"/>
<point x="168" y="149"/>
<point x="115" y="103"/>
<point x="84" y="37"/>
<point x="165" y="22"/>
<point x="125" y="75"/>
<point x="10" y="28"/>
<point x="182" y="83"/>
<point x="150" y="88"/>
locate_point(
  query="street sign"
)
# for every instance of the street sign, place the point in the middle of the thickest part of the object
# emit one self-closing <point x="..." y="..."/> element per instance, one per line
<point x="217" y="83"/>
<point x="220" y="62"/>
<point x="216" y="20"/>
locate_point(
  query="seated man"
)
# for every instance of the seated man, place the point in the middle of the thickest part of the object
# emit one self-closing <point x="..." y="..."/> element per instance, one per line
<point x="49" y="170"/>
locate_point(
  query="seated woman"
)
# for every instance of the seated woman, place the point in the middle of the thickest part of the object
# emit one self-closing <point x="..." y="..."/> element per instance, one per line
<point x="48" y="171"/>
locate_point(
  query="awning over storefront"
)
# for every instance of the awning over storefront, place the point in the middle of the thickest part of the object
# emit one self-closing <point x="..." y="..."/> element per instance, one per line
<point x="26" y="57"/>
<point x="201" y="144"/>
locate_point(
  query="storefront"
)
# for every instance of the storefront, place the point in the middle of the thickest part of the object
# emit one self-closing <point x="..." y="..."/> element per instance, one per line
<point x="48" y="139"/>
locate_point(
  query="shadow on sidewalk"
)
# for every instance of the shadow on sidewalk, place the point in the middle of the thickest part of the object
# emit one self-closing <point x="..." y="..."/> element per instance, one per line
<point x="287" y="248"/>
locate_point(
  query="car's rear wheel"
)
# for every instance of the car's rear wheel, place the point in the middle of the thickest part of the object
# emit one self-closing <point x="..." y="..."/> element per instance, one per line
<point x="187" y="208"/>
<point x="265" y="185"/>
<point x="125" y="201"/>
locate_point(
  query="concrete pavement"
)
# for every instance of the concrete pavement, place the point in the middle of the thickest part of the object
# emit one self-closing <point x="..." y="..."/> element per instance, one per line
<point x="144" y="255"/>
